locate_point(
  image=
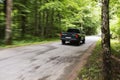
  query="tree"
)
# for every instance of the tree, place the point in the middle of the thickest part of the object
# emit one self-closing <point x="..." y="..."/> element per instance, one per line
<point x="115" y="19"/>
<point x="23" y="18"/>
<point x="2" y="18"/>
<point x="8" y="30"/>
<point x="107" y="73"/>
<point x="47" y="18"/>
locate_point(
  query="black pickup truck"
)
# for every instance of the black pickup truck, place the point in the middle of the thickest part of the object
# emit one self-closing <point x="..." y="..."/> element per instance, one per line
<point x="73" y="35"/>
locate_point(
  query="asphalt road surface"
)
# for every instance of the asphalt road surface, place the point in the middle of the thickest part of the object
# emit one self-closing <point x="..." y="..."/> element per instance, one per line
<point x="51" y="61"/>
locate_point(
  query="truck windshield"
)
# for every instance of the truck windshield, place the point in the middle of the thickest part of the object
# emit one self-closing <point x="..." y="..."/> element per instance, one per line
<point x="73" y="30"/>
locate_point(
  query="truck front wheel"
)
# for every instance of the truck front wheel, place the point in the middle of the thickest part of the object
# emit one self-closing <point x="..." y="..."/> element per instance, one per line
<point x="78" y="43"/>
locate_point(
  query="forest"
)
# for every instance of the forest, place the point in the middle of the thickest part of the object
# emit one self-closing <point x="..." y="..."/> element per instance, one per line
<point x="47" y="18"/>
<point x="37" y="20"/>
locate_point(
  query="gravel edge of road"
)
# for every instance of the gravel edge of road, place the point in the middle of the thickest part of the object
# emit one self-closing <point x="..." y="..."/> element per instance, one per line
<point x="83" y="60"/>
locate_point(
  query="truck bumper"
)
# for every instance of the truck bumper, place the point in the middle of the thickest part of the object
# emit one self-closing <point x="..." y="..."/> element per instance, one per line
<point x="70" y="40"/>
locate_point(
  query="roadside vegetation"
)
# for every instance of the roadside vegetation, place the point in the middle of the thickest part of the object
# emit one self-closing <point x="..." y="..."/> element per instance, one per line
<point x="46" y="19"/>
<point x="37" y="21"/>
<point x="93" y="69"/>
<point x="28" y="41"/>
<point x="116" y="48"/>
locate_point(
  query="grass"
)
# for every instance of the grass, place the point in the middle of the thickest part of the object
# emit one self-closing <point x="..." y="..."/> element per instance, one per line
<point x="115" y="48"/>
<point x="93" y="69"/>
<point x="28" y="41"/>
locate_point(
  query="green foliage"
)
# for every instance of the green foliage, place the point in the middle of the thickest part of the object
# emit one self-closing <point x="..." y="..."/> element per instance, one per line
<point x="93" y="68"/>
<point x="2" y="22"/>
<point x="46" y="18"/>
<point x="28" y="41"/>
<point x="116" y="48"/>
<point x="115" y="28"/>
<point x="83" y="15"/>
<point x="115" y="19"/>
<point x="56" y="5"/>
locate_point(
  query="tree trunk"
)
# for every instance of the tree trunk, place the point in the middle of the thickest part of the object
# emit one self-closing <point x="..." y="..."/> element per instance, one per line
<point x="47" y="23"/>
<point x="23" y="17"/>
<point x="8" y="30"/>
<point x="107" y="72"/>
<point x="2" y="33"/>
<point x="36" y="33"/>
<point x="23" y="24"/>
<point x="51" y="23"/>
<point x="43" y="20"/>
<point x="5" y="7"/>
<point x="43" y="25"/>
<point x="59" y="18"/>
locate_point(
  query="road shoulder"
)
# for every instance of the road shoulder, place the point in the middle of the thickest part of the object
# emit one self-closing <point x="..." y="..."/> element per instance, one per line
<point x="80" y="65"/>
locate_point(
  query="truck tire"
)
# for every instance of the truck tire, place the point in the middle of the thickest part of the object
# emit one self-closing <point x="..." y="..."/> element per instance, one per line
<point x="78" y="43"/>
<point x="83" y="41"/>
<point x="63" y="42"/>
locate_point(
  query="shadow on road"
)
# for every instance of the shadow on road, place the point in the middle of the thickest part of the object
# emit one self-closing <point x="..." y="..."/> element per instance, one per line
<point x="72" y="44"/>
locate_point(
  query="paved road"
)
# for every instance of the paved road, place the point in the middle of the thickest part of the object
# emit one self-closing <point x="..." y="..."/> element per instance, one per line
<point x="51" y="61"/>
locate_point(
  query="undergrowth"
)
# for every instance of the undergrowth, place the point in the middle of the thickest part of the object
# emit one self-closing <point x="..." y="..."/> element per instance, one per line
<point x="115" y="48"/>
<point x="93" y="69"/>
<point x="27" y="41"/>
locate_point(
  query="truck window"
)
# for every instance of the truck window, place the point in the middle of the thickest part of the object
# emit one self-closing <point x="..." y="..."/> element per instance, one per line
<point x="73" y="31"/>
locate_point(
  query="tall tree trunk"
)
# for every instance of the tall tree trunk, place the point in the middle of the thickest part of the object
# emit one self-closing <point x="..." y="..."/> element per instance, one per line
<point x="8" y="30"/>
<point x="5" y="7"/>
<point x="43" y="20"/>
<point x="23" y="17"/>
<point x="36" y="18"/>
<point x="40" y="23"/>
<point x="59" y="20"/>
<point x="2" y="33"/>
<point x="107" y="72"/>
<point x="47" y="23"/>
<point x="51" y="23"/>
<point x="43" y="25"/>
<point x="23" y="24"/>
<point x="40" y="19"/>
